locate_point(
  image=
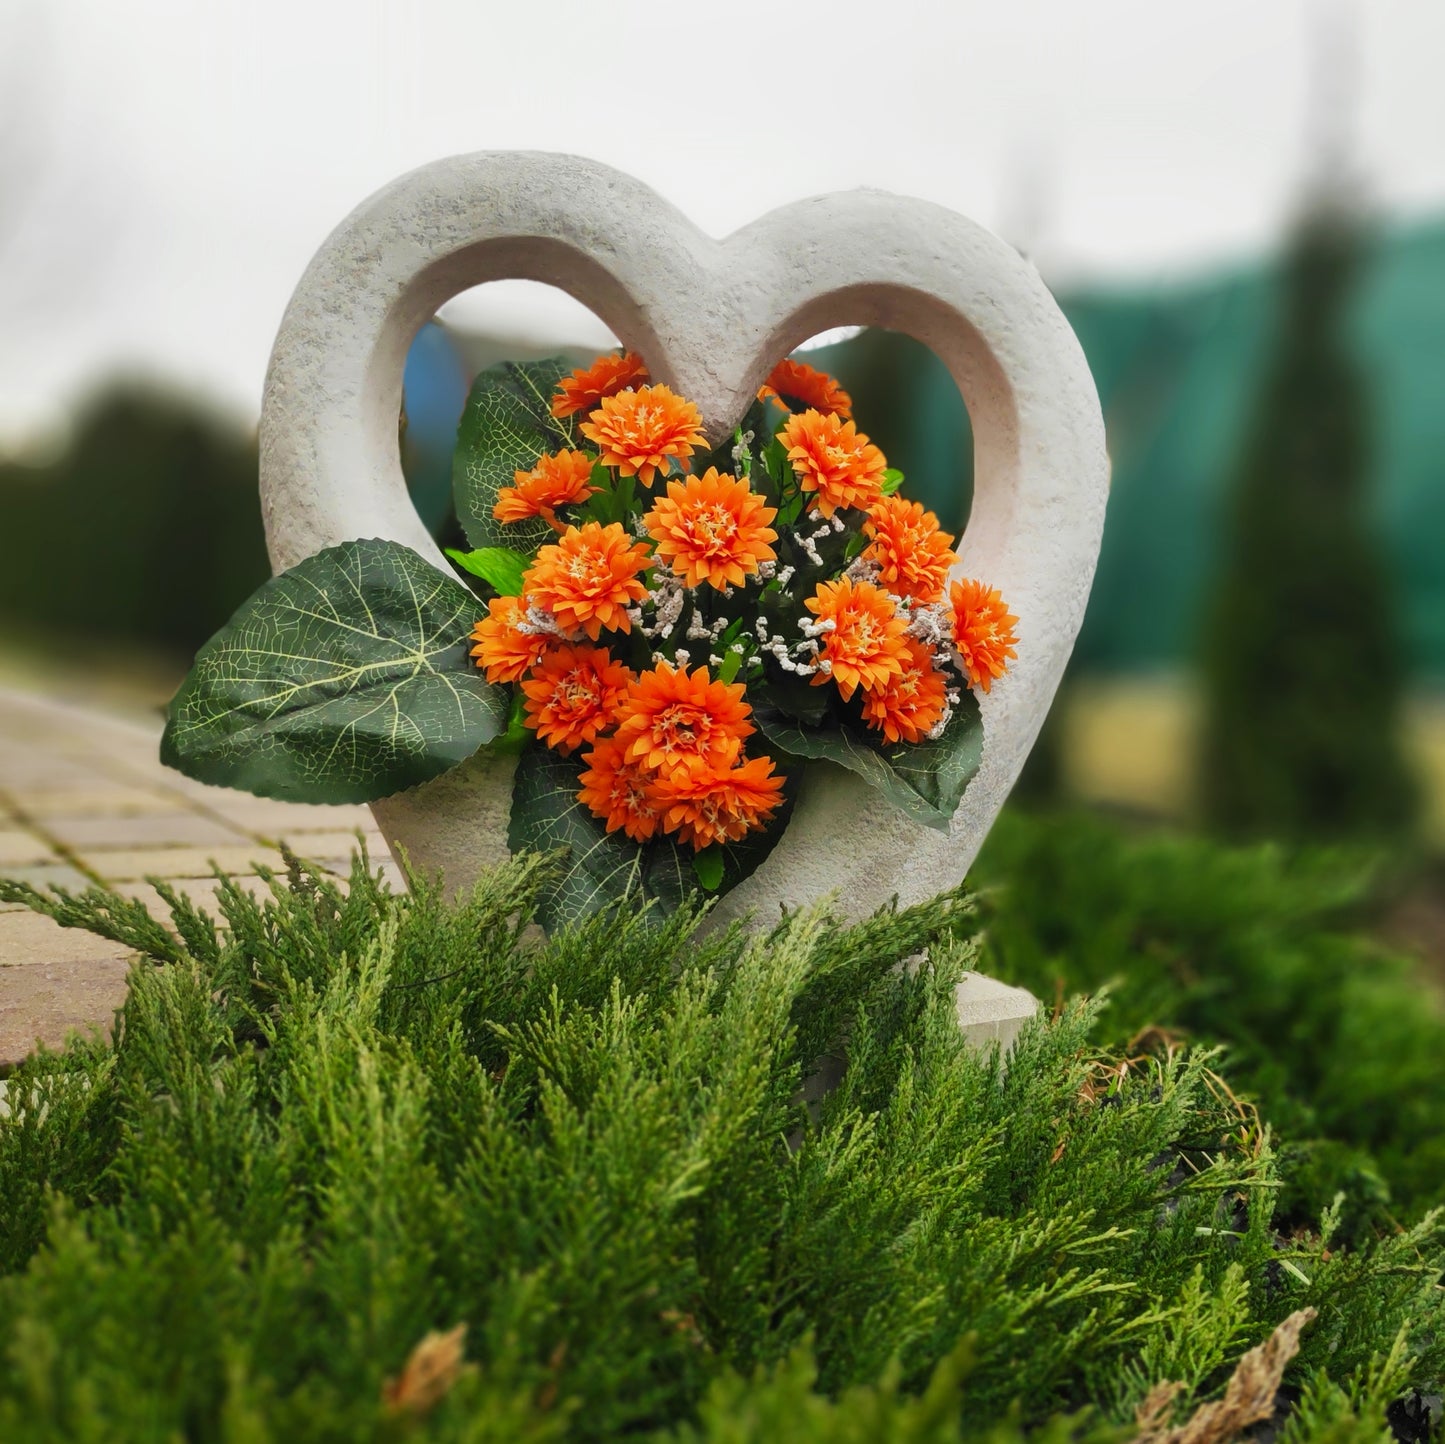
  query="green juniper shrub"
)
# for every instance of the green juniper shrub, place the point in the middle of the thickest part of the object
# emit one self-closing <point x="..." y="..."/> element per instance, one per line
<point x="344" y="1122"/>
<point x="1258" y="948"/>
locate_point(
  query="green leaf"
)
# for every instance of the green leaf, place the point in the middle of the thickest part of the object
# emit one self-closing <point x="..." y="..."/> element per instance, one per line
<point x="926" y="779"/>
<point x="518" y="735"/>
<point x="794" y="697"/>
<point x="732" y="661"/>
<point x="501" y="568"/>
<point x="604" y="868"/>
<point x="721" y="456"/>
<point x="506" y="426"/>
<point x="343" y="680"/>
<point x="708" y="866"/>
<point x="892" y="480"/>
<point x="608" y="503"/>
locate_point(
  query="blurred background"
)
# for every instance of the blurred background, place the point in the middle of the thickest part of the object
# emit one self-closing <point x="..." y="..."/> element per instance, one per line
<point x="1241" y="207"/>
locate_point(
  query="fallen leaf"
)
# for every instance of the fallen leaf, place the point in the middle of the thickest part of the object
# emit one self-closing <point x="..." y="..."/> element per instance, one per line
<point x="431" y="1370"/>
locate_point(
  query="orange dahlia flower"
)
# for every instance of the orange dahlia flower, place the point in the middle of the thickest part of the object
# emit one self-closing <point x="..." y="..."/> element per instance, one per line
<point x="712" y="528"/>
<point x="573" y="695"/>
<point x="913" y="555"/>
<point x="704" y="806"/>
<point x="503" y="651"/>
<point x="622" y="793"/>
<point x="983" y="631"/>
<point x="797" y="381"/>
<point x="866" y="645"/>
<point x="606" y="376"/>
<point x="587" y="577"/>
<point x="671" y="719"/>
<point x="835" y="460"/>
<point x="906" y="707"/>
<point x="640" y="432"/>
<point x="559" y="479"/>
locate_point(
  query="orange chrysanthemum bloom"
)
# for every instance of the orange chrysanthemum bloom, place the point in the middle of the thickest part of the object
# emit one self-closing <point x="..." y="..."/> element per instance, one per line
<point x="913" y="555"/>
<point x="705" y="806"/>
<point x="560" y="478"/>
<point x="606" y="376"/>
<point x="573" y="695"/>
<point x="906" y="707"/>
<point x="503" y="651"/>
<point x="712" y="528"/>
<point x="797" y="381"/>
<point x="867" y="643"/>
<point x="622" y="793"/>
<point x="671" y="719"/>
<point x="835" y="460"/>
<point x="587" y="577"/>
<point x="641" y="432"/>
<point x="983" y="631"/>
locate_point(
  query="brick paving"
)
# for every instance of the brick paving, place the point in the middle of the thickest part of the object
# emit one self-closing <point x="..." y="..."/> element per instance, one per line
<point x="84" y="800"/>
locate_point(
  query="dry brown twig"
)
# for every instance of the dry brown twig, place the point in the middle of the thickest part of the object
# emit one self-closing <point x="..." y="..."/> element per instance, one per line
<point x="1248" y="1397"/>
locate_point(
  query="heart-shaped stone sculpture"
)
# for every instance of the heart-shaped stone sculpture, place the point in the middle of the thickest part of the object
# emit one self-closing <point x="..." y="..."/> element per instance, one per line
<point x="711" y="318"/>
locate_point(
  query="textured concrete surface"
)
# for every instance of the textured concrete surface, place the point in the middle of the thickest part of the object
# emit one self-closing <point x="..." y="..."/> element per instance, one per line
<point x="83" y="800"/>
<point x="992" y="1012"/>
<point x="710" y="317"/>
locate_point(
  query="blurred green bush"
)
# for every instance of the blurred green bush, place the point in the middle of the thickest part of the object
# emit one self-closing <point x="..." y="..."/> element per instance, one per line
<point x="144" y="530"/>
<point x="1264" y="949"/>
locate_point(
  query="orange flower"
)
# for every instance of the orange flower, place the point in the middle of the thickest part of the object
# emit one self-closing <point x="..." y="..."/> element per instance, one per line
<point x="640" y="432"/>
<point x="796" y="381"/>
<point x="587" y="578"/>
<point x="712" y="528"/>
<point x="706" y="806"/>
<point x="558" y="479"/>
<point x="670" y="719"/>
<point x="606" y="376"/>
<point x="835" y="460"/>
<point x="906" y="707"/>
<point x="573" y="695"/>
<point x="913" y="555"/>
<point x="620" y="792"/>
<point x="866" y="644"/>
<point x="983" y="630"/>
<point x="503" y="651"/>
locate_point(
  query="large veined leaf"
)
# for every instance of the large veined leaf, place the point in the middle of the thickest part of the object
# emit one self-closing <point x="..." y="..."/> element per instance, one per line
<point x="344" y="679"/>
<point x="507" y="425"/>
<point x="926" y="779"/>
<point x="605" y="868"/>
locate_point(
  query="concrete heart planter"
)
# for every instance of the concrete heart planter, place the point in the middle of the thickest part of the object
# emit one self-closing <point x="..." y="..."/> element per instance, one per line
<point x="711" y="317"/>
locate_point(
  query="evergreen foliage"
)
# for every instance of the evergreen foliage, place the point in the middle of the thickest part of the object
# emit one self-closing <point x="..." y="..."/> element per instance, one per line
<point x="345" y="1122"/>
<point x="1302" y="668"/>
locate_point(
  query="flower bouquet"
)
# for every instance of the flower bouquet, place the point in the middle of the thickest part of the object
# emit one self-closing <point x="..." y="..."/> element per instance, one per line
<point x="664" y="635"/>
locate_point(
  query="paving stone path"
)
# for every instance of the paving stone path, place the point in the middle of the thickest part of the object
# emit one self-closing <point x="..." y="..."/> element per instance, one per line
<point x="84" y="800"/>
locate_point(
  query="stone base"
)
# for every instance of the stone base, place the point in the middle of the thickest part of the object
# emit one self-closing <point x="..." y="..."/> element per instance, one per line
<point x="992" y="1012"/>
<point x="989" y="1012"/>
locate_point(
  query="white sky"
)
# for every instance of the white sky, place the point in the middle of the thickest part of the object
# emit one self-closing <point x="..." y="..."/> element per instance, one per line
<point x="167" y="167"/>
